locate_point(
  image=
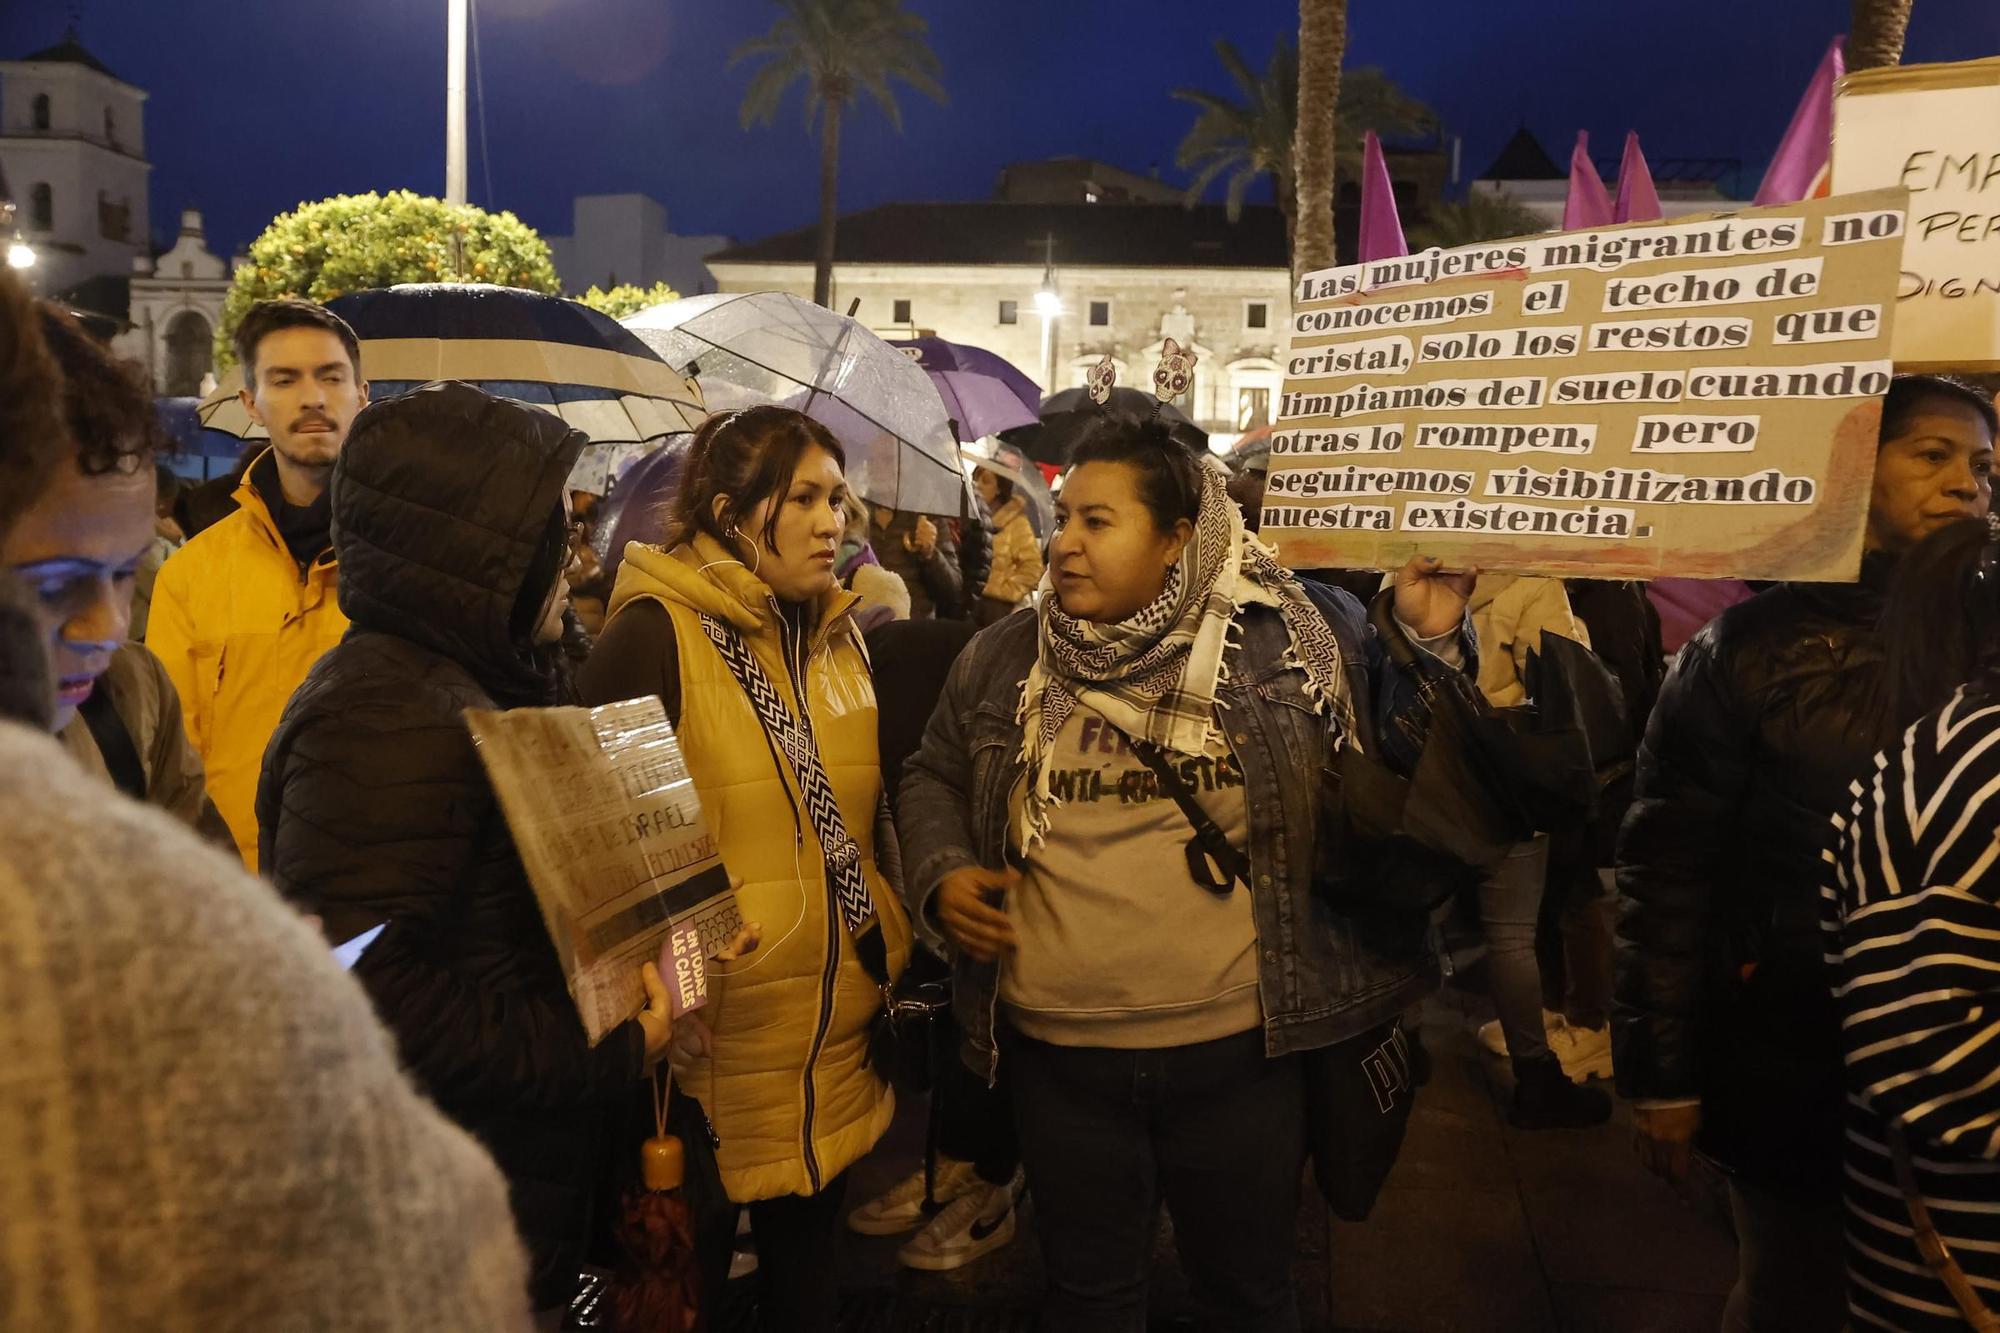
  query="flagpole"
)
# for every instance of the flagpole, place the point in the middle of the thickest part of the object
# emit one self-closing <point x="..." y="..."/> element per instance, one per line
<point x="454" y="105"/>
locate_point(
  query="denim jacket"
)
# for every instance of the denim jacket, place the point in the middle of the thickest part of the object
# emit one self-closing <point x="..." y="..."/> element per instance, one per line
<point x="1321" y="977"/>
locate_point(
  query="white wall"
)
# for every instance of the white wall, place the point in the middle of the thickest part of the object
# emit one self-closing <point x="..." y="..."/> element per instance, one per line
<point x="625" y="238"/>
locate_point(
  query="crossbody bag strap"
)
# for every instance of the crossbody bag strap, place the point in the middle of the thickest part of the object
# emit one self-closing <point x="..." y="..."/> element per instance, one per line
<point x="114" y="742"/>
<point x="1234" y="865"/>
<point x="1931" y="1244"/>
<point x="844" y="870"/>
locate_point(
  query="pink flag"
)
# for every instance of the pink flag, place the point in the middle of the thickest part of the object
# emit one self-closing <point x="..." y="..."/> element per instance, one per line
<point x="1808" y="143"/>
<point x="1638" y="201"/>
<point x="1588" y="205"/>
<point x="1381" y="228"/>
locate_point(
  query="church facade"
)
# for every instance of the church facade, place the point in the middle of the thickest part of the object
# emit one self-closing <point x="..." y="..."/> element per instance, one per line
<point x="73" y="166"/>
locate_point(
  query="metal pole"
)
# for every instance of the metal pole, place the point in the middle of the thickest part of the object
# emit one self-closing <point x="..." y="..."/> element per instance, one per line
<point x="454" y="104"/>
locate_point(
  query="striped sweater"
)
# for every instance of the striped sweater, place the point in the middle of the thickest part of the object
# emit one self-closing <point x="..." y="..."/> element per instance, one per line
<point x="1911" y="909"/>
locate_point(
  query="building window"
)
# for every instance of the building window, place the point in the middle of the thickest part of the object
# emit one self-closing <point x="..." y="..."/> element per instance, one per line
<point x="1253" y="408"/>
<point x="902" y="313"/>
<point x="1247" y="399"/>
<point x="110" y="128"/>
<point x="114" y="220"/>
<point x="41" y="112"/>
<point x="42" y="208"/>
<point x="1100" y="314"/>
<point x="1256" y="314"/>
<point x="1010" y="312"/>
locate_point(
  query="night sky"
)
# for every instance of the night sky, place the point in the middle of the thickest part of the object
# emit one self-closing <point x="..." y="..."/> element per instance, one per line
<point x="258" y="104"/>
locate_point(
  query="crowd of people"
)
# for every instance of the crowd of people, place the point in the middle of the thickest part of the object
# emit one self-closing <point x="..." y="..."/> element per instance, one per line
<point x="1085" y="778"/>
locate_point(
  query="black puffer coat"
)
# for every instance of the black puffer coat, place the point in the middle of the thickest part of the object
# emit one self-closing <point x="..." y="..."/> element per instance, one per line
<point x="374" y="806"/>
<point x="1767" y="716"/>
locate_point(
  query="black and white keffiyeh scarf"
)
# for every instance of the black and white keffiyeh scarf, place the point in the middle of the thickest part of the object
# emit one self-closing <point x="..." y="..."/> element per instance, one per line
<point x="1154" y="676"/>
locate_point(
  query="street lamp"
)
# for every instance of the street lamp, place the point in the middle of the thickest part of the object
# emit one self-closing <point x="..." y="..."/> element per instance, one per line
<point x="1048" y="305"/>
<point x="20" y="255"/>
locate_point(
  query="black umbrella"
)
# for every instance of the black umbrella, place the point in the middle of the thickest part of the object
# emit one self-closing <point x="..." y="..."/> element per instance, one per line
<point x="1065" y="414"/>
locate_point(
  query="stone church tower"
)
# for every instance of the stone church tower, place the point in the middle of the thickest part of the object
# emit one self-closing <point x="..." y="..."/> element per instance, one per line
<point x="73" y="154"/>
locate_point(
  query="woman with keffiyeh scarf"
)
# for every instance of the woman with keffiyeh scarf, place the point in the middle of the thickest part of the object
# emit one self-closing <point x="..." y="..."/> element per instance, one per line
<point x="1150" y="1004"/>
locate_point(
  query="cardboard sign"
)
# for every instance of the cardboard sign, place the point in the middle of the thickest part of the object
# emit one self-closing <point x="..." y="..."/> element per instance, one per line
<point x="1697" y="398"/>
<point x="1935" y="131"/>
<point x="621" y="858"/>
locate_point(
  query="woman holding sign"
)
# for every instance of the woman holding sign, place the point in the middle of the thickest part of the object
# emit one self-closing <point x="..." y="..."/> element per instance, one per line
<point x="737" y="623"/>
<point x="1122" y="854"/>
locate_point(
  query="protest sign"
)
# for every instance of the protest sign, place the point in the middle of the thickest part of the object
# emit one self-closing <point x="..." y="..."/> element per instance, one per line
<point x="1696" y="398"/>
<point x="609" y="826"/>
<point x="1935" y="131"/>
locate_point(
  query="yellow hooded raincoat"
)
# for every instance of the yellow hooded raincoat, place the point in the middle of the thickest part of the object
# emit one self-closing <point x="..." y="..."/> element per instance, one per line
<point x="237" y="625"/>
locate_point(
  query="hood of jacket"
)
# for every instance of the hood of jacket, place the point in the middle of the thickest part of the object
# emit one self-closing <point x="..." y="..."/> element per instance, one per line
<point x="1488" y="590"/>
<point x="447" y="516"/>
<point x="707" y="578"/>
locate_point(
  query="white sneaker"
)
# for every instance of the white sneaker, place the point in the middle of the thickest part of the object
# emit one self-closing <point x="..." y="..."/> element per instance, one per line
<point x="901" y="1208"/>
<point x="1585" y="1052"/>
<point x="742" y="1259"/>
<point x="1495" y="1041"/>
<point x="971" y="1226"/>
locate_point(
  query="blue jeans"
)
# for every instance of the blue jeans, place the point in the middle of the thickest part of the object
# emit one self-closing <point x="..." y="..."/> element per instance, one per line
<point x="1216" y="1130"/>
<point x="1510" y="905"/>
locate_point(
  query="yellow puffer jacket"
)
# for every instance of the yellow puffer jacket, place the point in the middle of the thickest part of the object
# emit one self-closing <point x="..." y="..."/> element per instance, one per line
<point x="1017" y="555"/>
<point x="785" y="1085"/>
<point x="1509" y="613"/>
<point x="237" y="626"/>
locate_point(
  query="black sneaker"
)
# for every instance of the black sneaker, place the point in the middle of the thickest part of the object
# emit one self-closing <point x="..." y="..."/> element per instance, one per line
<point x="1544" y="1098"/>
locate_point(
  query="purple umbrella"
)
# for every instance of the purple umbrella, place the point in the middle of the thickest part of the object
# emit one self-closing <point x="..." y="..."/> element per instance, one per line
<point x="634" y="510"/>
<point x="935" y="354"/>
<point x="979" y="406"/>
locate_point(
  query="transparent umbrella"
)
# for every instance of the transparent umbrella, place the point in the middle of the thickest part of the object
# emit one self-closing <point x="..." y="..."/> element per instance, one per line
<point x="745" y="348"/>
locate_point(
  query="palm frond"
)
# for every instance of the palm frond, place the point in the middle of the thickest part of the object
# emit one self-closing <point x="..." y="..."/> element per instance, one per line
<point x="1239" y="186"/>
<point x="1210" y="169"/>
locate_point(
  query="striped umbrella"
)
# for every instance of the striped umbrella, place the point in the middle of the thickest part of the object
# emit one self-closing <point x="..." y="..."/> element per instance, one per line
<point x="536" y="349"/>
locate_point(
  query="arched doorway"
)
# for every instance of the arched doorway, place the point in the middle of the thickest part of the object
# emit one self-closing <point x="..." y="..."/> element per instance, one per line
<point x="190" y="354"/>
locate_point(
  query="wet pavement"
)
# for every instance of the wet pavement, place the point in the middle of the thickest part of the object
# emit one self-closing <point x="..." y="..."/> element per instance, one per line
<point x="1481" y="1227"/>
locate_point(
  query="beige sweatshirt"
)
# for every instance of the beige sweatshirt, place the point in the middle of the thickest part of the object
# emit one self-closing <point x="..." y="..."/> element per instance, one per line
<point x="1119" y="946"/>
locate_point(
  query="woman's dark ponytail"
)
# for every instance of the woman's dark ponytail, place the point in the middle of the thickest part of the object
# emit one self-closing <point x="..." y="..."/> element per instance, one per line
<point x="1942" y="619"/>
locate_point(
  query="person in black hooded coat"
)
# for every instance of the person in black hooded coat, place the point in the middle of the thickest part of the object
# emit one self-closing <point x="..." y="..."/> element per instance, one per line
<point x="450" y="524"/>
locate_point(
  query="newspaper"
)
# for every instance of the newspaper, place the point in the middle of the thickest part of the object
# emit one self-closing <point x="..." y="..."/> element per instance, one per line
<point x="621" y="858"/>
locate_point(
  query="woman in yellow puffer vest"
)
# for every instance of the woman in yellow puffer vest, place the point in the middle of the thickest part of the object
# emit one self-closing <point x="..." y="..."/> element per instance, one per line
<point x="781" y="1066"/>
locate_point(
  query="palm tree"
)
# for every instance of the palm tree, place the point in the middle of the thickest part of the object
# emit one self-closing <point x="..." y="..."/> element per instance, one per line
<point x="1322" y="46"/>
<point x="1876" y="33"/>
<point x="838" y="49"/>
<point x="1249" y="137"/>
<point x="1477" y="217"/>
